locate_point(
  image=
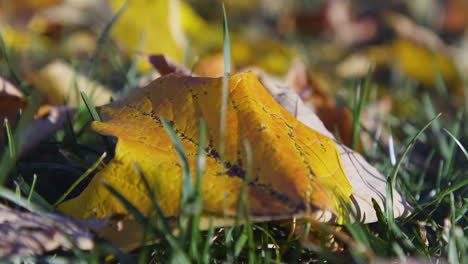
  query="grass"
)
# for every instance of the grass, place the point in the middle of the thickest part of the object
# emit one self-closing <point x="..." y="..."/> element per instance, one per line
<point x="431" y="172"/>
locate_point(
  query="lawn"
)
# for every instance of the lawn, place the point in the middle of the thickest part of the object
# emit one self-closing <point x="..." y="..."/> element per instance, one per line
<point x="195" y="87"/>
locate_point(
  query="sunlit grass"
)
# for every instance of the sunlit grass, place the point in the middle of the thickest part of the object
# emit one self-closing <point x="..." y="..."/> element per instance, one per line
<point x="430" y="171"/>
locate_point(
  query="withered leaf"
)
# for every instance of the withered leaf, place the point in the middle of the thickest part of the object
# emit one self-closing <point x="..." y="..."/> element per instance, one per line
<point x="296" y="170"/>
<point x="28" y="233"/>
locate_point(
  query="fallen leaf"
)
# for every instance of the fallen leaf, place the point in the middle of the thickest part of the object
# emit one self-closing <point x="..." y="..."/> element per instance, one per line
<point x="268" y="54"/>
<point x="47" y="122"/>
<point x="80" y="44"/>
<point x="57" y="81"/>
<point x="421" y="63"/>
<point x="422" y="55"/>
<point x="72" y="13"/>
<point x="11" y="101"/>
<point x="166" y="65"/>
<point x="296" y="171"/>
<point x="201" y="34"/>
<point x="33" y="234"/>
<point x="211" y="66"/>
<point x="453" y="16"/>
<point x="367" y="182"/>
<point x="407" y="29"/>
<point x="33" y="4"/>
<point x="314" y="93"/>
<point x="335" y="17"/>
<point x="19" y="39"/>
<point x="150" y="21"/>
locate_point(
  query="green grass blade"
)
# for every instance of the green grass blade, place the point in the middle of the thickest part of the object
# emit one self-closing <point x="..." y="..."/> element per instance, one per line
<point x="14" y="198"/>
<point x="240" y="243"/>
<point x="90" y="106"/>
<point x="7" y="58"/>
<point x="104" y="36"/>
<point x="357" y="112"/>
<point x="33" y="186"/>
<point x="452" y="188"/>
<point x="197" y="199"/>
<point x="243" y="203"/>
<point x="205" y="256"/>
<point x="460" y="145"/>
<point x="132" y="72"/>
<point x="430" y="111"/>
<point x="159" y="214"/>
<point x="392" y="178"/>
<point x="201" y="158"/>
<point x="95" y="116"/>
<point x="187" y="185"/>
<point x="70" y="135"/>
<point x="10" y="138"/>
<point x="225" y="92"/>
<point x="391" y="148"/>
<point x="35" y="197"/>
<point x="226" y="44"/>
<point x="17" y="189"/>
<point x="7" y="162"/>
<point x="161" y="223"/>
<point x="139" y="217"/>
<point x="80" y="179"/>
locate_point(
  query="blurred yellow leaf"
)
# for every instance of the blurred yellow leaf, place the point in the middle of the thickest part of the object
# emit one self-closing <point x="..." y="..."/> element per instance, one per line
<point x="154" y="23"/>
<point x="62" y="85"/>
<point x="267" y="54"/>
<point x="200" y="33"/>
<point x="19" y="39"/>
<point x="422" y="64"/>
<point x="296" y="170"/>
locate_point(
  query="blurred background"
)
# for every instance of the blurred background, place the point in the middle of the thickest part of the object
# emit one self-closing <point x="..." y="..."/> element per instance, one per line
<point x="373" y="70"/>
<point x="417" y="44"/>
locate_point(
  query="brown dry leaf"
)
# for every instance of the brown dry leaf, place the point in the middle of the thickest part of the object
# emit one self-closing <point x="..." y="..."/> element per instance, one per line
<point x="407" y="29"/>
<point x="166" y="65"/>
<point x="57" y="82"/>
<point x="296" y="171"/>
<point x="32" y="234"/>
<point x="313" y="93"/>
<point x="454" y="16"/>
<point x="31" y="4"/>
<point x="210" y="66"/>
<point x="337" y="17"/>
<point x="11" y="101"/>
<point x="47" y="122"/>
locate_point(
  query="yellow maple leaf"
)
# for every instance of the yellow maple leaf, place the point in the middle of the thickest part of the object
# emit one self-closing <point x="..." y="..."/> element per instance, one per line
<point x="296" y="171"/>
<point x="154" y="23"/>
<point x="422" y="64"/>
